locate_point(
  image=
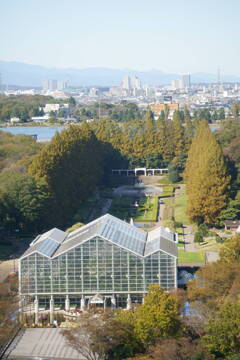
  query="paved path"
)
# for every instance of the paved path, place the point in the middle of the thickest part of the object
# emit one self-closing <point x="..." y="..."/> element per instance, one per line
<point x="46" y="343"/>
<point x="188" y="237"/>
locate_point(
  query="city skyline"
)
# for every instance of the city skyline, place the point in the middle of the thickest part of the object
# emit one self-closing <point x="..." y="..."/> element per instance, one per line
<point x="176" y="37"/>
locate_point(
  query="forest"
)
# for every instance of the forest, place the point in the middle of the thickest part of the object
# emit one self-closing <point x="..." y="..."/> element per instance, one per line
<point x="43" y="185"/>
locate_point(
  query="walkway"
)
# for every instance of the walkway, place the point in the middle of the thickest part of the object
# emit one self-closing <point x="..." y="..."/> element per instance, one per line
<point x="44" y="343"/>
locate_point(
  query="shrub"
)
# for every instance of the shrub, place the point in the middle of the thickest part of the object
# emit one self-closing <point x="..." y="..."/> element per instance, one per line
<point x="198" y="237"/>
<point x="203" y="229"/>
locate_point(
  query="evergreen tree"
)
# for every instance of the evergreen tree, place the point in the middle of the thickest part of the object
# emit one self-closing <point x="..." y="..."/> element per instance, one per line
<point x="149" y="121"/>
<point x="206" y="177"/>
<point x="71" y="167"/>
<point x="178" y="137"/>
<point x="186" y="114"/>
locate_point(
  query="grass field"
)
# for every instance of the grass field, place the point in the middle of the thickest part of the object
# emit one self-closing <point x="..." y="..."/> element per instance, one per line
<point x="209" y="245"/>
<point x="147" y="210"/>
<point x="190" y="257"/>
<point x="180" y="206"/>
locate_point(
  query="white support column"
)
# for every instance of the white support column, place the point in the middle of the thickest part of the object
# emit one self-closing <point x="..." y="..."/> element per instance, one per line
<point x="51" y="305"/>
<point x="82" y="303"/>
<point x="129" y="302"/>
<point x="67" y="303"/>
<point x="143" y="298"/>
<point x="113" y="301"/>
<point x="36" y="309"/>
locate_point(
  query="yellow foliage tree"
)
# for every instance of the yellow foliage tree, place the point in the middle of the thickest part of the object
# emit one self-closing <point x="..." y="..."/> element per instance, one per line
<point x="206" y="177"/>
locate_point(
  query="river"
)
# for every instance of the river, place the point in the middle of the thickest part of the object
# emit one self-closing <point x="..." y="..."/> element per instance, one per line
<point x="44" y="133"/>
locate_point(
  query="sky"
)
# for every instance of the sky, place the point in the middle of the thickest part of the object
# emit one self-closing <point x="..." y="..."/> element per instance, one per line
<point x="173" y="36"/>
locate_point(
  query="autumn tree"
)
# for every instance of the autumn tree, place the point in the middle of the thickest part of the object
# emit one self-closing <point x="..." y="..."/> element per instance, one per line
<point x="8" y="307"/>
<point x="157" y="318"/>
<point x="213" y="285"/>
<point x="230" y="252"/>
<point x="222" y="337"/>
<point x="104" y="335"/>
<point x="206" y="177"/>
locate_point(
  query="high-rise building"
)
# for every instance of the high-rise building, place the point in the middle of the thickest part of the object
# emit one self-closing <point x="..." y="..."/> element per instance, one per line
<point x="50" y="85"/>
<point x="107" y="258"/>
<point x="61" y="85"/>
<point x="126" y="83"/>
<point x="136" y="83"/>
<point x="186" y="81"/>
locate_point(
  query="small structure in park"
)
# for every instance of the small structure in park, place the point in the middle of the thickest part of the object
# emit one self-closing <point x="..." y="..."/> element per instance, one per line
<point x="107" y="262"/>
<point x="140" y="171"/>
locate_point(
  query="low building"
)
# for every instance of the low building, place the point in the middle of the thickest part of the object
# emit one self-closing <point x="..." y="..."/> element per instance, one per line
<point x="40" y="119"/>
<point x="232" y="225"/>
<point x="158" y="108"/>
<point x="55" y="108"/>
<point x="107" y="259"/>
<point x="15" y="120"/>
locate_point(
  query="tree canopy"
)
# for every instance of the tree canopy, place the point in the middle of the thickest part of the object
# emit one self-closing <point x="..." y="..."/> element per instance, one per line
<point x="206" y="177"/>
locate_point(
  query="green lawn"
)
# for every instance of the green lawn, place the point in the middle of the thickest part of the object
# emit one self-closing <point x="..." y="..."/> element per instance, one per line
<point x="190" y="257"/>
<point x="147" y="210"/>
<point x="180" y="206"/>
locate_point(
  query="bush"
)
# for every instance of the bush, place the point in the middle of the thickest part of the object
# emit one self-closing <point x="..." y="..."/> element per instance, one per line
<point x="198" y="237"/>
<point x="219" y="239"/>
<point x="203" y="229"/>
<point x="173" y="174"/>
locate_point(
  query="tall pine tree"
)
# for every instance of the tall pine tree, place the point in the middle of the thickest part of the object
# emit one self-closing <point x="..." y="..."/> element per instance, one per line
<point x="206" y="177"/>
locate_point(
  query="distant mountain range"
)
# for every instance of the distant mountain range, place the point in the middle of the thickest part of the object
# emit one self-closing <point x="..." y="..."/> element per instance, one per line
<point x="17" y="73"/>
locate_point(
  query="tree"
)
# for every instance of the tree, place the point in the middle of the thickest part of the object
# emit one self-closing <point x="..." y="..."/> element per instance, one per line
<point x="52" y="117"/>
<point x="8" y="307"/>
<point x="230" y="252"/>
<point x="221" y="114"/>
<point x="173" y="173"/>
<point x="149" y="121"/>
<point x="222" y="337"/>
<point x="206" y="177"/>
<point x="198" y="237"/>
<point x="213" y="285"/>
<point x="175" y="349"/>
<point x="72" y="101"/>
<point x="71" y="167"/>
<point x="23" y="201"/>
<point x="157" y="318"/>
<point x="104" y="335"/>
<point x="178" y="139"/>
<point x="235" y="111"/>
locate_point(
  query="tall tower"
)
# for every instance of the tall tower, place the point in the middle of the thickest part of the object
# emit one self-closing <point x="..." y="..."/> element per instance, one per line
<point x="186" y="81"/>
<point x="126" y="83"/>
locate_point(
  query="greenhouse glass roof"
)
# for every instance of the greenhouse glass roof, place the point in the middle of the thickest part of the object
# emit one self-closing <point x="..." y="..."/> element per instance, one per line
<point x="56" y="242"/>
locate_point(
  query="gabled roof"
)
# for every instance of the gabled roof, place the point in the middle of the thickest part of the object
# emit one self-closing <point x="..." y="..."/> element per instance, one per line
<point x="47" y="243"/>
<point x="56" y="242"/>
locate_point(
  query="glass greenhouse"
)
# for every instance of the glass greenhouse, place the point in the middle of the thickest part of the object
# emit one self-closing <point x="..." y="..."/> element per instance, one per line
<point x="107" y="261"/>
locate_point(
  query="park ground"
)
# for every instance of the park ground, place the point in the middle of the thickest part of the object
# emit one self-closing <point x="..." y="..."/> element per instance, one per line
<point x="153" y="202"/>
